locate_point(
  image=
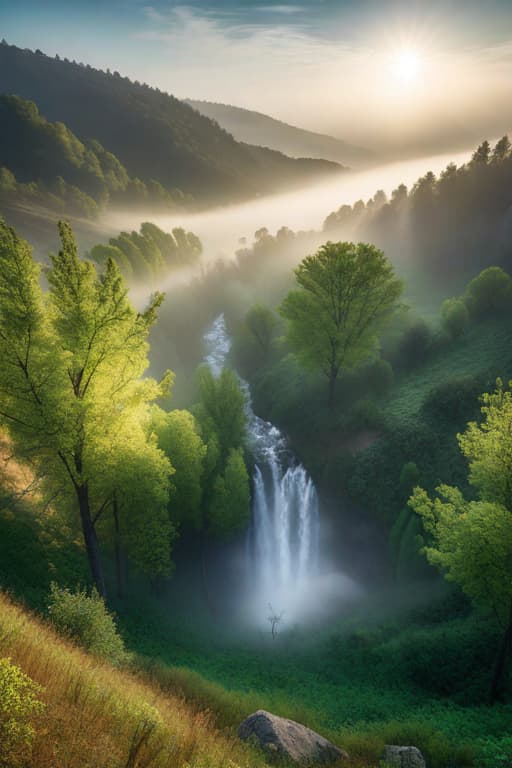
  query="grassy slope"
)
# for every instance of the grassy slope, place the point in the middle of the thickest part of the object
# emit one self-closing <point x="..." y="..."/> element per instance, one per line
<point x="95" y="715"/>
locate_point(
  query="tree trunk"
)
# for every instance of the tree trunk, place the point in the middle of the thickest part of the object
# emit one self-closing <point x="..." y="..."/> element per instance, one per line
<point x="90" y="538"/>
<point x="500" y="666"/>
<point x="333" y="376"/>
<point x="117" y="548"/>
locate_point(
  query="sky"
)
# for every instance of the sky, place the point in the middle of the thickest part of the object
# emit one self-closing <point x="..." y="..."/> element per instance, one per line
<point x="392" y="75"/>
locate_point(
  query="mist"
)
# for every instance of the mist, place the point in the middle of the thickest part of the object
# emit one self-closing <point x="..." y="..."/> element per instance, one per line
<point x="225" y="229"/>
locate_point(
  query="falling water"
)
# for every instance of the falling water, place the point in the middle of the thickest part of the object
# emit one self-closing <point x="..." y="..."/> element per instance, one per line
<point x="282" y="541"/>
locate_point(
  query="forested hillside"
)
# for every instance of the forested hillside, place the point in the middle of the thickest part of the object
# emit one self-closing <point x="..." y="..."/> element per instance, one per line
<point x="45" y="164"/>
<point x="256" y="128"/>
<point x="181" y="149"/>
<point x="447" y="226"/>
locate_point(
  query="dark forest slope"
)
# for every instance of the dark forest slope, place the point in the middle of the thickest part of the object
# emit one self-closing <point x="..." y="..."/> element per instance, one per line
<point x="153" y="134"/>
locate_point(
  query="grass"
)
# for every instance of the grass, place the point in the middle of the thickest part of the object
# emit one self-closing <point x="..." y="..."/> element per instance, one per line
<point x="96" y="715"/>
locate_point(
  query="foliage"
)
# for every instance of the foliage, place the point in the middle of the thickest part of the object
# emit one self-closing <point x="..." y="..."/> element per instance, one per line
<point x="150" y="252"/>
<point x="346" y="292"/>
<point x="453" y="399"/>
<point x="45" y="162"/>
<point x="178" y="437"/>
<point x="255" y="339"/>
<point x="229" y="505"/>
<point x="120" y="715"/>
<point x="471" y="541"/>
<point x="489" y="293"/>
<point x="85" y="618"/>
<point x="183" y="153"/>
<point x="226" y="491"/>
<point x="221" y="411"/>
<point x="19" y="704"/>
<point x="71" y="392"/>
<point x="454" y="317"/>
<point x="449" y="226"/>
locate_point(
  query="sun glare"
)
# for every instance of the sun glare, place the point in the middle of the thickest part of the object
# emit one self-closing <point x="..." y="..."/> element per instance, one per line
<point x="407" y="65"/>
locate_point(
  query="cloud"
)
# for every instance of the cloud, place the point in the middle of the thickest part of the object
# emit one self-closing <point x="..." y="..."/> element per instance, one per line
<point x="346" y="88"/>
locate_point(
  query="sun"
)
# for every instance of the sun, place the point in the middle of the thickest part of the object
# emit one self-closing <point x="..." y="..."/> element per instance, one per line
<point x="407" y="65"/>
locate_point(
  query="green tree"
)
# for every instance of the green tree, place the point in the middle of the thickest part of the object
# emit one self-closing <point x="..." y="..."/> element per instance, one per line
<point x="71" y="374"/>
<point x="471" y="541"/>
<point x="346" y="292"/>
<point x="229" y="505"/>
<point x="226" y="492"/>
<point x="178" y="437"/>
<point x="221" y="410"/>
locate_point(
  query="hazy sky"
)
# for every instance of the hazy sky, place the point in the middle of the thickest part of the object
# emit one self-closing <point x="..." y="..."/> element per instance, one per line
<point x="424" y="75"/>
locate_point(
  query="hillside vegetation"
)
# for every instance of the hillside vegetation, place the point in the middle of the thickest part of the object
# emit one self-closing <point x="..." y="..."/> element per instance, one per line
<point x="265" y="131"/>
<point x="181" y="148"/>
<point x="96" y="715"/>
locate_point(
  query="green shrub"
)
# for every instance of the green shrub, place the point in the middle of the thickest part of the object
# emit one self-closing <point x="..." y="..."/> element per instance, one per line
<point x="85" y="618"/>
<point x="454" y="317"/>
<point x="414" y="345"/>
<point x="19" y="704"/>
<point x="489" y="293"/>
<point x="455" y="400"/>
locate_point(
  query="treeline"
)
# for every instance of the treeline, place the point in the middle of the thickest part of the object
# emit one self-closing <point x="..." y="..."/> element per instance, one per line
<point x="46" y="163"/>
<point x="79" y="411"/>
<point x="450" y="225"/>
<point x="154" y="135"/>
<point x="149" y="252"/>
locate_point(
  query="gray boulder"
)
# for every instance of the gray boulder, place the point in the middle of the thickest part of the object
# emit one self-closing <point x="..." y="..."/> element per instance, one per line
<point x="289" y="739"/>
<point x="403" y="757"/>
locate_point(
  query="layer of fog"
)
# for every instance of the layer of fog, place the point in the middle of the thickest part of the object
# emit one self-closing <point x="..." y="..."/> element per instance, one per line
<point x="223" y="230"/>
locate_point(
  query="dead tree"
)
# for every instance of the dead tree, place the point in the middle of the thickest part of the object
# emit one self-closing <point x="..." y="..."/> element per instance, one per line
<point x="274" y="620"/>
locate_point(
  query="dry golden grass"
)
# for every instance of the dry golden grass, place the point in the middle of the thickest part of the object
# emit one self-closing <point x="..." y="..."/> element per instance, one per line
<point x="99" y="717"/>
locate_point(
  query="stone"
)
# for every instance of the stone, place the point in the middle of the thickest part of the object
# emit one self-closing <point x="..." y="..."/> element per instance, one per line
<point x="403" y="757"/>
<point x="289" y="739"/>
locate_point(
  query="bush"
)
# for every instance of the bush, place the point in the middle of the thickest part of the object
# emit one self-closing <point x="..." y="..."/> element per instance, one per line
<point x="414" y="346"/>
<point x="85" y="618"/>
<point x="19" y="703"/>
<point x="454" y="317"/>
<point x="455" y="400"/>
<point x="489" y="293"/>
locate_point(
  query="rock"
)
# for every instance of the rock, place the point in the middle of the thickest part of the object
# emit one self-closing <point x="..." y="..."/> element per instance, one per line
<point x="289" y="739"/>
<point x="403" y="757"/>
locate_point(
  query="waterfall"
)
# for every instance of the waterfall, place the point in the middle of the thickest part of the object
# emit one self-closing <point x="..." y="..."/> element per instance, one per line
<point x="282" y="541"/>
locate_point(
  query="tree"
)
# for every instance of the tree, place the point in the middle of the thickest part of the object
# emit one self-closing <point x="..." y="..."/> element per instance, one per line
<point x="261" y="324"/>
<point x="346" y="293"/>
<point x="471" y="541"/>
<point x="226" y="491"/>
<point x="71" y="376"/>
<point x="221" y="411"/>
<point x="229" y="504"/>
<point x="179" y="438"/>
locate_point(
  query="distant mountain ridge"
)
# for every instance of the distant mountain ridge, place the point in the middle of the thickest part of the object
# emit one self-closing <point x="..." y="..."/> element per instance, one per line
<point x="154" y="135"/>
<point x="257" y="128"/>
